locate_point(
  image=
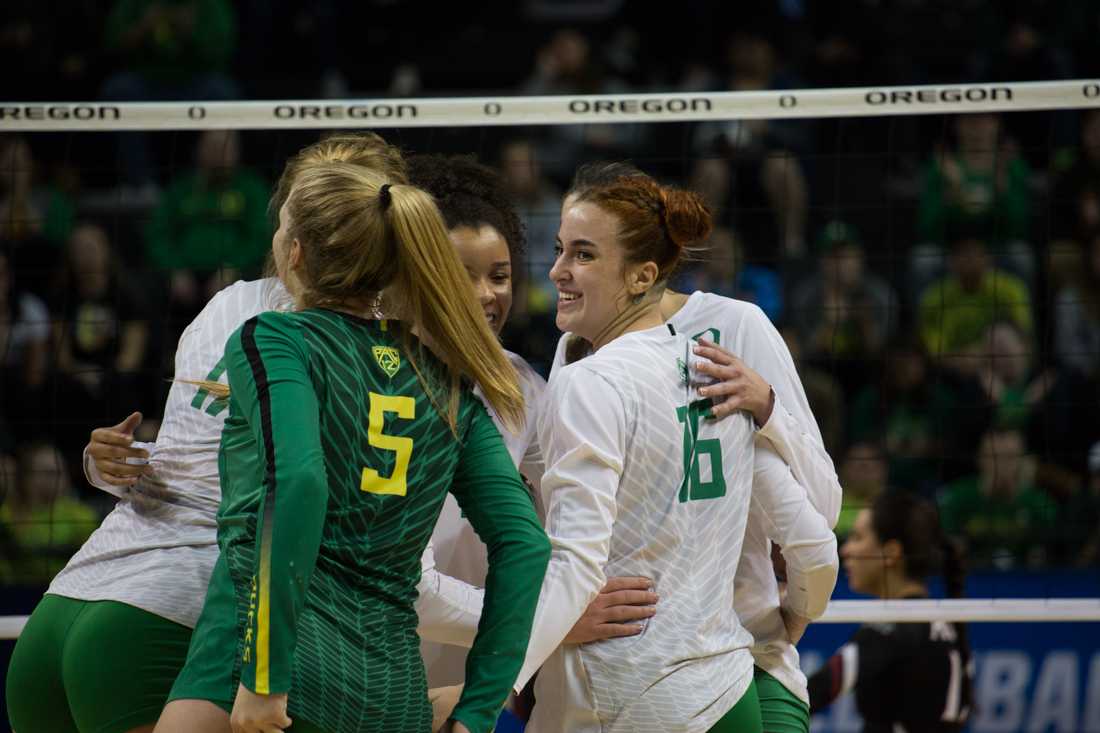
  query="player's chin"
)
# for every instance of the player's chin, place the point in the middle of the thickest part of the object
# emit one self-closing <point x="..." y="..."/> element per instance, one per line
<point x="565" y="322"/>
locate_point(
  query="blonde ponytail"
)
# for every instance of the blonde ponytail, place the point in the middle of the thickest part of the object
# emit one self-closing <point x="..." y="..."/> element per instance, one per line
<point x="363" y="238"/>
<point x="217" y="389"/>
<point x="433" y="292"/>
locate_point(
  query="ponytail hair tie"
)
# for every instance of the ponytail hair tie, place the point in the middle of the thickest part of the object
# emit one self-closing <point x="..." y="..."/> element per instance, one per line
<point x="385" y="196"/>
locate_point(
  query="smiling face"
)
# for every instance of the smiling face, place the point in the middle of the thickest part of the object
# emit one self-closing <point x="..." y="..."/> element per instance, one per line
<point x="589" y="270"/>
<point x="484" y="253"/>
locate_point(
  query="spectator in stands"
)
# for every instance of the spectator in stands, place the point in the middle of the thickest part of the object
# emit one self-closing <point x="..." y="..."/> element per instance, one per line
<point x="1008" y="376"/>
<point x="1076" y="316"/>
<point x="723" y="271"/>
<point x="843" y="312"/>
<point x="911" y="415"/>
<point x="1075" y="194"/>
<point x="33" y="218"/>
<point x="41" y="523"/>
<point x="101" y="331"/>
<point x="980" y="180"/>
<point x="1055" y="407"/>
<point x="24" y="337"/>
<point x="979" y="185"/>
<point x="956" y="310"/>
<point x="27" y="206"/>
<point x="211" y="225"/>
<point x="167" y="50"/>
<point x="739" y="160"/>
<point x="863" y="476"/>
<point x="566" y="64"/>
<point x="1004" y="519"/>
<point x="538" y="203"/>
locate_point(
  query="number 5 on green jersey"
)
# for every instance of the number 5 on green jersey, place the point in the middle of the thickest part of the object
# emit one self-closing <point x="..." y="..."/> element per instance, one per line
<point x="404" y="408"/>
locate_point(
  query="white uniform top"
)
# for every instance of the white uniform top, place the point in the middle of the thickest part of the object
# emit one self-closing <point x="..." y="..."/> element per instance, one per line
<point x="156" y="549"/>
<point x="618" y="435"/>
<point x="456" y="553"/>
<point x="743" y="329"/>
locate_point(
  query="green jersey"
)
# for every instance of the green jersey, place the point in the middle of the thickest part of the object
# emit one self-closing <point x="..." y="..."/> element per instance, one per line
<point x="334" y="465"/>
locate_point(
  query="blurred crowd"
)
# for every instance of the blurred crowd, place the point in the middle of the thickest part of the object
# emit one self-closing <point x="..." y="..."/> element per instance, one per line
<point x="937" y="278"/>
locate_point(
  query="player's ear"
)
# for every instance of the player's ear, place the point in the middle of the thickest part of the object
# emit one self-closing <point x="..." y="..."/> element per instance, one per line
<point x="640" y="278"/>
<point x="294" y="256"/>
<point x="892" y="553"/>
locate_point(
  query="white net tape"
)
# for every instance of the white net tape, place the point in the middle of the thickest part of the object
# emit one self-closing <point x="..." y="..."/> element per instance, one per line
<point x="511" y="110"/>
<point x="973" y="610"/>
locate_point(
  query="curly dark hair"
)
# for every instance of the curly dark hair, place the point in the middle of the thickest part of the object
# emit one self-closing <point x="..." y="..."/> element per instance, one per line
<point x="470" y="194"/>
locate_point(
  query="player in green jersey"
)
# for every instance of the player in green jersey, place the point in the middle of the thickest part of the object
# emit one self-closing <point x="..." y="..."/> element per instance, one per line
<point x="344" y="434"/>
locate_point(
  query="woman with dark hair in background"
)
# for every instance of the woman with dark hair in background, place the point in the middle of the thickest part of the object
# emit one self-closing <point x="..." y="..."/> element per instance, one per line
<point x="911" y="676"/>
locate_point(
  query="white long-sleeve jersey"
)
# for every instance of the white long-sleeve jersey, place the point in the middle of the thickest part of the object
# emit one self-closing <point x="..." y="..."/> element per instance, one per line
<point x="640" y="483"/>
<point x="454" y="567"/>
<point x="743" y="329"/>
<point x="157" y="548"/>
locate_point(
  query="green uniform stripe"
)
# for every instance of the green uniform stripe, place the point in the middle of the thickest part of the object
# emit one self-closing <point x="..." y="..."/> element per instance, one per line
<point x="263" y="614"/>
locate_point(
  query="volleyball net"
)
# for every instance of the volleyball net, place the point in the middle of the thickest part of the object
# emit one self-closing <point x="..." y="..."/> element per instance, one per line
<point x="931" y="255"/>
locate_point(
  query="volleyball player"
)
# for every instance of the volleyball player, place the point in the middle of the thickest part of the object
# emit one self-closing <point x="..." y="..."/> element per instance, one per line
<point x="762" y="380"/>
<point x="489" y="239"/>
<point x="910" y="676"/>
<point x="130" y="597"/>
<point x="344" y="435"/>
<point x="639" y="482"/>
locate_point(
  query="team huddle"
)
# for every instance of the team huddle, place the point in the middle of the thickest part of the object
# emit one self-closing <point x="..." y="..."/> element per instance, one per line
<point x="362" y="514"/>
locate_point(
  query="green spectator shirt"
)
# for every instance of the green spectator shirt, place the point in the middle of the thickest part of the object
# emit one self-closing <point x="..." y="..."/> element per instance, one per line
<point x="994" y="528"/>
<point x="202" y="227"/>
<point x="1005" y="211"/>
<point x="175" y="50"/>
<point x="38" y="544"/>
<point x="952" y="319"/>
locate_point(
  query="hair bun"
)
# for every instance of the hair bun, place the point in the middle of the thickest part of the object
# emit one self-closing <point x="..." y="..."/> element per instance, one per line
<point x="686" y="216"/>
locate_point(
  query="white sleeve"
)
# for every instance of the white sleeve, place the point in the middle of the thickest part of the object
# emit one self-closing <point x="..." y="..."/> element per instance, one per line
<point x="792" y="428"/>
<point x="811" y="465"/>
<point x="448" y="609"/>
<point x="583" y="436"/>
<point x="790" y="521"/>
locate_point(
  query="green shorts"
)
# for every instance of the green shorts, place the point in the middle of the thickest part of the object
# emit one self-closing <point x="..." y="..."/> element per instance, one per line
<point x="92" y="667"/>
<point x="781" y="710"/>
<point x="744" y="717"/>
<point x="213" y="671"/>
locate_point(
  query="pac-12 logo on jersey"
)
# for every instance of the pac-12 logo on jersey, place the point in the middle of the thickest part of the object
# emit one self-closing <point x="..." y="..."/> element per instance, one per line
<point x="388" y="358"/>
